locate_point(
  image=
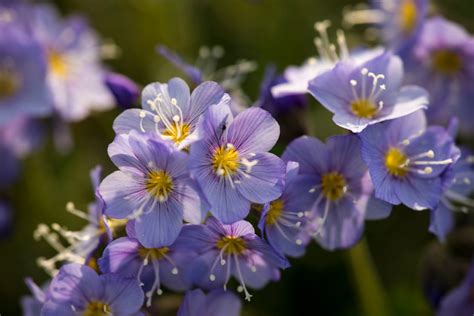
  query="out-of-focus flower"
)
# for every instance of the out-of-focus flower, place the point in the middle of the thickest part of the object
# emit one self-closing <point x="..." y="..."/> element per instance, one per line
<point x="216" y="303"/>
<point x="153" y="186"/>
<point x="22" y="135"/>
<point x="80" y="244"/>
<point x="124" y="90"/>
<point x="77" y="289"/>
<point x="9" y="166"/>
<point x="231" y="250"/>
<point x="6" y="219"/>
<point x="399" y="21"/>
<point x="32" y="304"/>
<point x="231" y="162"/>
<point x="367" y="93"/>
<point x="409" y="162"/>
<point x="298" y="77"/>
<point x="277" y="105"/>
<point x="127" y="257"/>
<point x="284" y="221"/>
<point x="22" y="76"/>
<point x="459" y="301"/>
<point x="339" y="187"/>
<point x="170" y="111"/>
<point x="75" y="74"/>
<point x="444" y="65"/>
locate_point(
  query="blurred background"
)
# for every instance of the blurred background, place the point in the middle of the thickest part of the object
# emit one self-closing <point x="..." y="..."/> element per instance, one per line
<point x="277" y="31"/>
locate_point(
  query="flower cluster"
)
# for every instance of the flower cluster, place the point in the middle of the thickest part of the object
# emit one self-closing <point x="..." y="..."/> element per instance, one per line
<point x="192" y="173"/>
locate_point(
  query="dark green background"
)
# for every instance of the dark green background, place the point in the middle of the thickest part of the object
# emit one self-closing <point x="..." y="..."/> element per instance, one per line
<point x="278" y="31"/>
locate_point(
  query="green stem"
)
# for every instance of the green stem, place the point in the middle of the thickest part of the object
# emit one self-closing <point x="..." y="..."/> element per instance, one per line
<point x="367" y="283"/>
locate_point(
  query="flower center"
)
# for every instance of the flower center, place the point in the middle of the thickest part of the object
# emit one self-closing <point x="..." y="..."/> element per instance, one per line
<point x="231" y="245"/>
<point x="177" y="132"/>
<point x="159" y="184"/>
<point x="364" y="108"/>
<point x="97" y="308"/>
<point x="396" y="162"/>
<point x="225" y="160"/>
<point x="446" y="62"/>
<point x="333" y="185"/>
<point x="274" y="212"/>
<point x="408" y="14"/>
<point x="57" y="64"/>
<point x="153" y="253"/>
<point x="9" y="83"/>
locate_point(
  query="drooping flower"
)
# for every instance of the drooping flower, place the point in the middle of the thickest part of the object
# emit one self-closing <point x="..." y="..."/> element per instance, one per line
<point x="231" y="163"/>
<point x="284" y="221"/>
<point x="216" y="303"/>
<point x="166" y="266"/>
<point x="231" y="250"/>
<point x="298" y="77"/>
<point x="75" y="74"/>
<point x="124" y="90"/>
<point x="81" y="244"/>
<point x="459" y="301"/>
<point x="22" y="76"/>
<point x="399" y="21"/>
<point x="444" y="66"/>
<point x="170" y="111"/>
<point x="409" y="162"/>
<point x="340" y="190"/>
<point x="78" y="290"/>
<point x="152" y="186"/>
<point x="368" y="93"/>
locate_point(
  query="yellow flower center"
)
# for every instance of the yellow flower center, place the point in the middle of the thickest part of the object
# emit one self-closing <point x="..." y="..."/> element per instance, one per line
<point x="9" y="84"/>
<point x="96" y="308"/>
<point x="395" y="162"/>
<point x="153" y="253"/>
<point x="446" y="62"/>
<point x="177" y="132"/>
<point x="274" y="212"/>
<point x="159" y="184"/>
<point x="408" y="14"/>
<point x="231" y="245"/>
<point x="225" y="160"/>
<point x="333" y="185"/>
<point x="364" y="108"/>
<point x="57" y="64"/>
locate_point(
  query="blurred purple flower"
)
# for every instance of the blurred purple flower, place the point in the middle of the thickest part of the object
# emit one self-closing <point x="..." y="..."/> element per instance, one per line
<point x="152" y="186"/>
<point x="459" y="301"/>
<point x="170" y="111"/>
<point x="339" y="187"/>
<point x="409" y="162"/>
<point x="231" y="162"/>
<point x="124" y="90"/>
<point x="77" y="289"/>
<point x="32" y="304"/>
<point x="22" y="135"/>
<point x="231" y="250"/>
<point x="216" y="303"/>
<point x="360" y="95"/>
<point x="6" y="219"/>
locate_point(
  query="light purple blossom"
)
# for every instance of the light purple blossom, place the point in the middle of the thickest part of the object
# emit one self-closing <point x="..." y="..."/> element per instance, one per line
<point x="216" y="303"/>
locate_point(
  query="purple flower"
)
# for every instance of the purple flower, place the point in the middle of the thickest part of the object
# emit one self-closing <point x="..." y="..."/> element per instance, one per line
<point x="459" y="301"/>
<point x="124" y="90"/>
<point x="217" y="303"/>
<point x="166" y="265"/>
<point x="9" y="166"/>
<point x="339" y="188"/>
<point x="5" y="219"/>
<point x="77" y="289"/>
<point x="366" y="94"/>
<point x="152" y="186"/>
<point x="32" y="304"/>
<point x="75" y="74"/>
<point x="284" y="221"/>
<point x="170" y="111"/>
<point x="22" y="76"/>
<point x="399" y="21"/>
<point x="278" y="106"/>
<point x="231" y="250"/>
<point x="444" y="66"/>
<point x="22" y="135"/>
<point x="231" y="163"/>
<point x="194" y="73"/>
<point x="298" y="77"/>
<point x="408" y="162"/>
